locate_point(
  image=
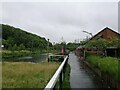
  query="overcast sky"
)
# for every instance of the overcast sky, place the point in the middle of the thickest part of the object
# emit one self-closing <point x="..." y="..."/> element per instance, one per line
<point x="55" y="20"/>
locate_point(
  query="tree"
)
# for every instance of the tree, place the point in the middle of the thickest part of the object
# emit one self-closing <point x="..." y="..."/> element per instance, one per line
<point x="72" y="46"/>
<point x="13" y="37"/>
<point x="21" y="47"/>
<point x="115" y="42"/>
<point x="99" y="43"/>
<point x="15" y="47"/>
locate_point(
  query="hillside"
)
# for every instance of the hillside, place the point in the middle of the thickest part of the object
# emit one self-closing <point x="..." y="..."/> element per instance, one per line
<point x="17" y="39"/>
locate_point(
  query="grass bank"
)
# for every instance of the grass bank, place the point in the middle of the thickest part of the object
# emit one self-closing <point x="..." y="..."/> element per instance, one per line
<point x="66" y="82"/>
<point x="54" y="51"/>
<point x="105" y="64"/>
<point x="27" y="75"/>
<point x="6" y="54"/>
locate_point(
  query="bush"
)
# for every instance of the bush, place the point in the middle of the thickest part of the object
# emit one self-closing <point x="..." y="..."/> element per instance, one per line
<point x="105" y="64"/>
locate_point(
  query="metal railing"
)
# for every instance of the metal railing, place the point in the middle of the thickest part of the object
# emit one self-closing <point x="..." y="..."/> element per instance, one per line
<point x="59" y="74"/>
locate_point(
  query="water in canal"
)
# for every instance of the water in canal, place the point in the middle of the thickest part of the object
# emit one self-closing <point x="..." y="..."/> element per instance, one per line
<point x="79" y="78"/>
<point x="34" y="59"/>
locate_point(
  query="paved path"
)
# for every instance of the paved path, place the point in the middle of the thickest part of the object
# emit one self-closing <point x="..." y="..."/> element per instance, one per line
<point x="79" y="78"/>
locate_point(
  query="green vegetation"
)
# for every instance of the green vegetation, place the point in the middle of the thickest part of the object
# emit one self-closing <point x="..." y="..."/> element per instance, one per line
<point x="19" y="43"/>
<point x="105" y="64"/>
<point x="6" y="54"/>
<point x="17" y="39"/>
<point x="54" y="51"/>
<point x="27" y="75"/>
<point x="98" y="43"/>
<point x="69" y="46"/>
<point x="66" y="82"/>
<point x="101" y="43"/>
<point x="72" y="46"/>
<point x="57" y="46"/>
<point x="102" y="46"/>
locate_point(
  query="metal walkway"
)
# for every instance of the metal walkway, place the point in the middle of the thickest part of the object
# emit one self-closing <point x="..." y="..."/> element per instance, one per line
<point x="79" y="78"/>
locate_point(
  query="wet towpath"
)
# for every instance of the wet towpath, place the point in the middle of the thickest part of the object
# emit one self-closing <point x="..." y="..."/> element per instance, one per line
<point x="79" y="78"/>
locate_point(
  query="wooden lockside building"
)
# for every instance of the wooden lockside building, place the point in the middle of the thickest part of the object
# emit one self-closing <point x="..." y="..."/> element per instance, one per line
<point x="107" y="34"/>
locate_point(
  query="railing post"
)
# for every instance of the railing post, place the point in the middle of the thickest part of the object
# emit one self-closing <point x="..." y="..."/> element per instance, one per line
<point x="60" y="81"/>
<point x="64" y="72"/>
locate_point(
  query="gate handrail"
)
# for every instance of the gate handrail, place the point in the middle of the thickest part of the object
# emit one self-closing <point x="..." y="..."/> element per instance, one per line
<point x="55" y="77"/>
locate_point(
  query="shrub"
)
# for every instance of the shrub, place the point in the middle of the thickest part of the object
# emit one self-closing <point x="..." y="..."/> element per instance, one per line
<point x="105" y="64"/>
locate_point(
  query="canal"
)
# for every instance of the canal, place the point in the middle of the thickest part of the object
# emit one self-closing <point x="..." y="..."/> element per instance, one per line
<point x="79" y="78"/>
<point x="38" y="58"/>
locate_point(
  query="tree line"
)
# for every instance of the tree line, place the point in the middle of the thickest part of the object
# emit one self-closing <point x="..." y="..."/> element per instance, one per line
<point x="17" y="39"/>
<point x="103" y="43"/>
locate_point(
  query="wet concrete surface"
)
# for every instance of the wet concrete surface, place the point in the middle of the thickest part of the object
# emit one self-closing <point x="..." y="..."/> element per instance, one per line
<point x="79" y="78"/>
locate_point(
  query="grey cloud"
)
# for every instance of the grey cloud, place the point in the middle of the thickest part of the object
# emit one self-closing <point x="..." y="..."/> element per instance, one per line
<point x="54" y="20"/>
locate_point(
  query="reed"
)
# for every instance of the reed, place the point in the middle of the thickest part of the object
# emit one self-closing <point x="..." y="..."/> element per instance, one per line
<point x="105" y="64"/>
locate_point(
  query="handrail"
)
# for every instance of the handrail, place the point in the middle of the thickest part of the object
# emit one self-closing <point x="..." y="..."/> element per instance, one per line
<point x="55" y="77"/>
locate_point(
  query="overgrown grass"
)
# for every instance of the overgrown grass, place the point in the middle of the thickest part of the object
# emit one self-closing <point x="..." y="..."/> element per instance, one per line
<point x="54" y="51"/>
<point x="27" y="75"/>
<point x="66" y="82"/>
<point x="105" y="64"/>
<point x="7" y="54"/>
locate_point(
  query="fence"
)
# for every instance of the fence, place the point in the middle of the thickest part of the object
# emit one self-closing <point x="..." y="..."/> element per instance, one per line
<point x="59" y="75"/>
